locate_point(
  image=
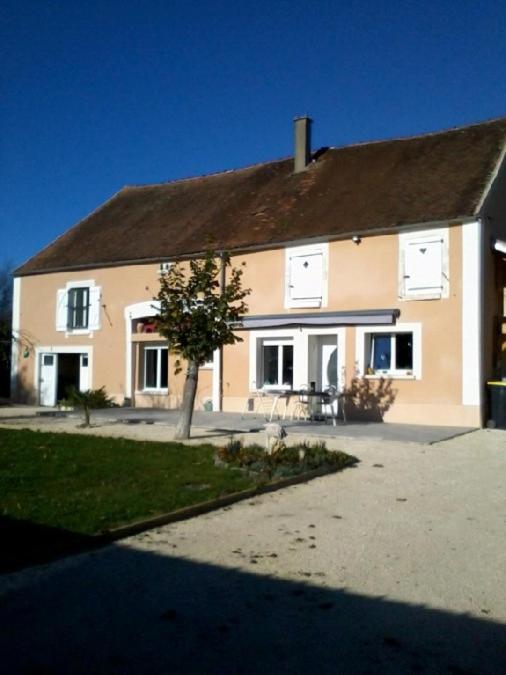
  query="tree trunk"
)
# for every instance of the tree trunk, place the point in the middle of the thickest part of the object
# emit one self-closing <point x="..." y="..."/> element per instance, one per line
<point x="86" y="411"/>
<point x="190" y="390"/>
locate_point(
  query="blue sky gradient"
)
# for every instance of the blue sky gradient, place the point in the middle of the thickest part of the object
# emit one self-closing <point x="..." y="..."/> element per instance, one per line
<point x="96" y="95"/>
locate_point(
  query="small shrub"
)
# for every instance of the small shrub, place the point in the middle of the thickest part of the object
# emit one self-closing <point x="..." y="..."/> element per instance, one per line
<point x="88" y="400"/>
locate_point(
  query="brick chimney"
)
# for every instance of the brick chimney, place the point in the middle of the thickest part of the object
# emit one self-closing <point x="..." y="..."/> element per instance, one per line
<point x="302" y="151"/>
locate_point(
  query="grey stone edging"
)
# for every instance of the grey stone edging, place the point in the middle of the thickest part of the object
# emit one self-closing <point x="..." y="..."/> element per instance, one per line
<point x="188" y="512"/>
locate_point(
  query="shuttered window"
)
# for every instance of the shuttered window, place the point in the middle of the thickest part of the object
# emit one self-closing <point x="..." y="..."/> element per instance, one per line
<point x="78" y="307"/>
<point x="306" y="276"/>
<point x="423" y="265"/>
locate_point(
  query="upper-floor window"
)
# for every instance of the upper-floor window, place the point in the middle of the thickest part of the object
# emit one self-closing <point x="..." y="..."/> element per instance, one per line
<point x="78" y="307"/>
<point x="306" y="276"/>
<point x="424" y="265"/>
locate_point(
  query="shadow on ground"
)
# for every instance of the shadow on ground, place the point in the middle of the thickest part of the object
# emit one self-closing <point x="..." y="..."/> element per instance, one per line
<point x="24" y="544"/>
<point x="120" y="610"/>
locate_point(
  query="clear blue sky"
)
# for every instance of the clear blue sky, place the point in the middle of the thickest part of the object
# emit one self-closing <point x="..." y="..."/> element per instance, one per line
<point x="96" y="95"/>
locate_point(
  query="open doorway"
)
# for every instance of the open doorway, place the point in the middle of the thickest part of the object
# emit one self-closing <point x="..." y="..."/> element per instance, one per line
<point x="57" y="371"/>
<point x="68" y="374"/>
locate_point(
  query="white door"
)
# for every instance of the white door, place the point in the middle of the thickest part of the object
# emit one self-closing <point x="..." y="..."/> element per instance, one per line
<point x="323" y="366"/>
<point x="47" y="379"/>
<point x="84" y="377"/>
<point x="328" y="374"/>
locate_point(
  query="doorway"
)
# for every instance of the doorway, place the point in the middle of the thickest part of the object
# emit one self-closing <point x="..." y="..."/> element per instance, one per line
<point x="68" y="374"/>
<point x="60" y="370"/>
<point x="323" y="361"/>
<point x="323" y="366"/>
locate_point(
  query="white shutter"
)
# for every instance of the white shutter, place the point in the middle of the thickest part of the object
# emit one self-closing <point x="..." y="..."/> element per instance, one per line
<point x="306" y="277"/>
<point x="61" y="309"/>
<point x="94" y="316"/>
<point x="423" y="269"/>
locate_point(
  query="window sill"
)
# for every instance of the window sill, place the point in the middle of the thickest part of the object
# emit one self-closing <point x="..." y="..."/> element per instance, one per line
<point x="390" y="376"/>
<point x="152" y="392"/>
<point x="304" y="304"/>
<point x="79" y="331"/>
<point x="421" y="296"/>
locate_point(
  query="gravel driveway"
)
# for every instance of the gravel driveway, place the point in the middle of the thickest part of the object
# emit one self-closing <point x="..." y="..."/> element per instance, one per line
<point x="395" y="566"/>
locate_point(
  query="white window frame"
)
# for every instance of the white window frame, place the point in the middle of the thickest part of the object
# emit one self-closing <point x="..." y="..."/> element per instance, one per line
<point x="71" y="328"/>
<point x="421" y="237"/>
<point x="280" y="343"/>
<point x="362" y="342"/>
<point x="164" y="267"/>
<point x="94" y="296"/>
<point x="296" y="251"/>
<point x="300" y="338"/>
<point x="158" y="387"/>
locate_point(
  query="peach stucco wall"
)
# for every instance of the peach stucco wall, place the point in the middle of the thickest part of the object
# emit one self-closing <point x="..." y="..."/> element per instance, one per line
<point x="363" y="276"/>
<point x="121" y="286"/>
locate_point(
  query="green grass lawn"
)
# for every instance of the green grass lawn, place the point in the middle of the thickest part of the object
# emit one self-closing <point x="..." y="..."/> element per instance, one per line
<point x="87" y="484"/>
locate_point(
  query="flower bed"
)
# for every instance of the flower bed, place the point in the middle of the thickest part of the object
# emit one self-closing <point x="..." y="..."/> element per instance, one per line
<point x="281" y="461"/>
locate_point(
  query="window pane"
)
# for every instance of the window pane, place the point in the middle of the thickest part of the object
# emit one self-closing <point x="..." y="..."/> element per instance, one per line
<point x="270" y="364"/>
<point x="78" y="302"/>
<point x="381" y="352"/>
<point x="150" y="360"/>
<point x="288" y="365"/>
<point x="404" y="351"/>
<point x="164" y="368"/>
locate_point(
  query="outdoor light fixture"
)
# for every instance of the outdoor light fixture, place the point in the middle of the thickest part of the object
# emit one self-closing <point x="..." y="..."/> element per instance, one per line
<point x="356" y="239"/>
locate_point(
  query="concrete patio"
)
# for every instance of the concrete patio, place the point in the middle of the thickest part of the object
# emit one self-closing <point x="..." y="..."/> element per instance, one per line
<point x="221" y="423"/>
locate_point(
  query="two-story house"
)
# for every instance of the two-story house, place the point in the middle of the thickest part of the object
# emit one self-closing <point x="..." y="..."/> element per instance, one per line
<point x="376" y="267"/>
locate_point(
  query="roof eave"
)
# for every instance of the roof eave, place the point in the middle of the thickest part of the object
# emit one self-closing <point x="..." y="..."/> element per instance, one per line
<point x="393" y="229"/>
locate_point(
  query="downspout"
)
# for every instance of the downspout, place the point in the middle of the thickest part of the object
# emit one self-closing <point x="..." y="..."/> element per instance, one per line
<point x="219" y="370"/>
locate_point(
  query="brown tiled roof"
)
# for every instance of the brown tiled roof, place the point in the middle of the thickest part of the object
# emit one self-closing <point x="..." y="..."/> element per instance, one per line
<point x="355" y="189"/>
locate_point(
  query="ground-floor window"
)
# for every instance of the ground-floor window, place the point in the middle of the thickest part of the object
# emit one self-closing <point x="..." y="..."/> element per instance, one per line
<point x="156" y="367"/>
<point x="276" y="363"/>
<point x="393" y="351"/>
<point x="390" y="353"/>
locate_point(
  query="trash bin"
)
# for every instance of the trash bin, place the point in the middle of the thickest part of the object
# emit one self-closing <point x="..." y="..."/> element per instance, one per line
<point x="497" y="404"/>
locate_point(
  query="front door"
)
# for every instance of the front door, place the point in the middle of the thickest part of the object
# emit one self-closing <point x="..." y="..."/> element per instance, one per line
<point x="328" y="362"/>
<point x="47" y="379"/>
<point x="323" y="365"/>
